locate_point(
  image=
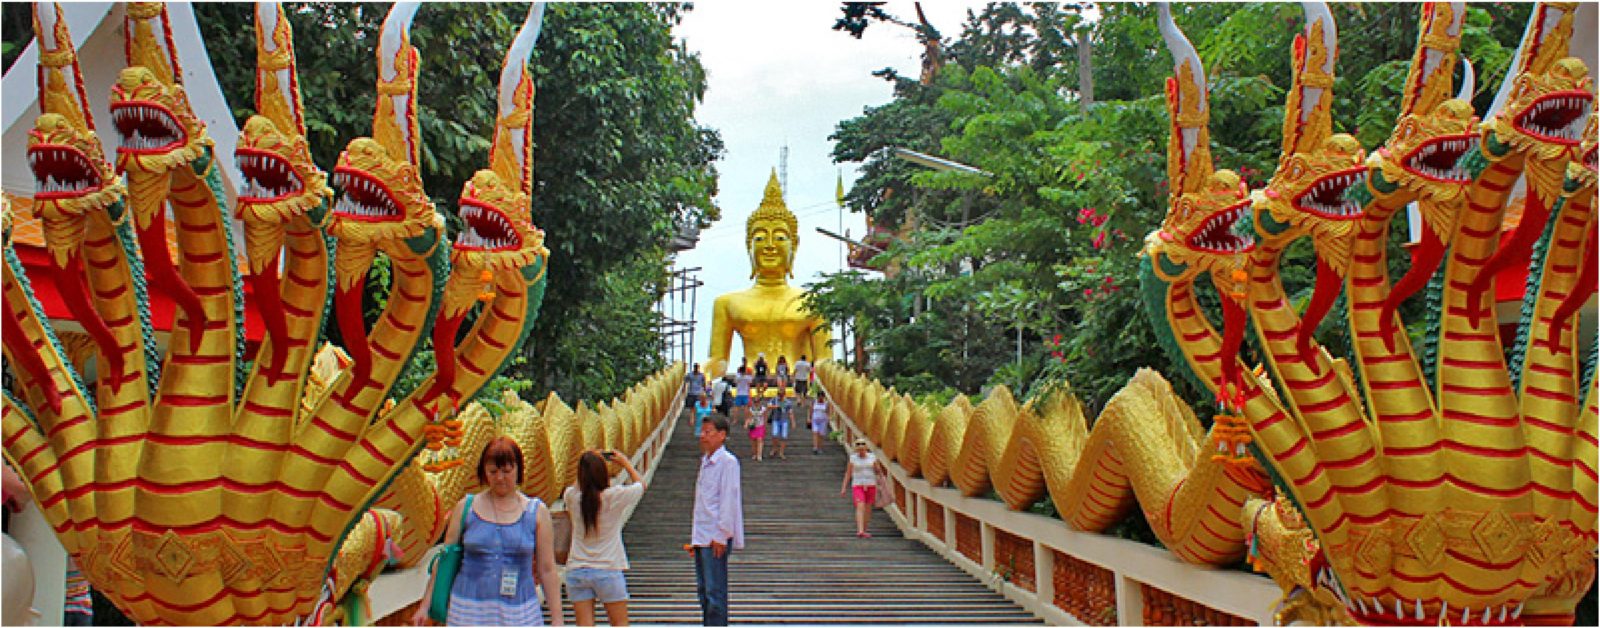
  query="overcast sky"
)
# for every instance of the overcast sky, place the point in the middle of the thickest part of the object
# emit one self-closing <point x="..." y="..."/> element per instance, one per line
<point x="779" y="75"/>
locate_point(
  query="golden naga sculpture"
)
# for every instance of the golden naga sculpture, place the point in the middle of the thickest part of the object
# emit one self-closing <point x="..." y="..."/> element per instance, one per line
<point x="770" y="317"/>
<point x="1448" y="486"/>
<point x="204" y="492"/>
<point x="1146" y="439"/>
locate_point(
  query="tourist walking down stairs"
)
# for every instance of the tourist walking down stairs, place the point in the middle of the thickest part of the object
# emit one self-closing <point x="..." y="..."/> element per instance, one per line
<point x="861" y="480"/>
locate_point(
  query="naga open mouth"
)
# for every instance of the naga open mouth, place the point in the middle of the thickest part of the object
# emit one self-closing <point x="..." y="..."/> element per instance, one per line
<point x="61" y="171"/>
<point x="1326" y="198"/>
<point x="146" y="127"/>
<point x="365" y="198"/>
<point x="267" y="177"/>
<point x="1438" y="159"/>
<point x="1589" y="159"/>
<point x="487" y="229"/>
<point x="1557" y="117"/>
<point x="1222" y="232"/>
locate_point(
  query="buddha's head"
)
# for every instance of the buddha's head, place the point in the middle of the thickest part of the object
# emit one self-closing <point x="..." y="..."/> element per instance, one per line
<point x="771" y="235"/>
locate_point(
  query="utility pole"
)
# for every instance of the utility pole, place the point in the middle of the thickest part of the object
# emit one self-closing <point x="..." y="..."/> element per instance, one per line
<point x="783" y="168"/>
<point x="838" y="197"/>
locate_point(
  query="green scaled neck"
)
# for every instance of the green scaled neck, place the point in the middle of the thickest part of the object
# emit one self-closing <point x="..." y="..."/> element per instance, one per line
<point x="1516" y="361"/>
<point x="1434" y="297"/>
<point x="1153" y="291"/>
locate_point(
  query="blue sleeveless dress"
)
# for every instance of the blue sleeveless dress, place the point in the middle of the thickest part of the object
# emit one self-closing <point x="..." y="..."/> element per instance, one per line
<point x="492" y="550"/>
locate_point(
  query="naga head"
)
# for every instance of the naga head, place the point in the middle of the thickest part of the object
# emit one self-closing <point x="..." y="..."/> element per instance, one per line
<point x="279" y="182"/>
<point x="71" y="175"/>
<point x="1421" y="158"/>
<point x="381" y="201"/>
<point x="149" y="109"/>
<point x="381" y="197"/>
<point x="1202" y="230"/>
<point x="497" y="233"/>
<point x="1205" y="206"/>
<point x="1306" y="195"/>
<point x="1422" y="154"/>
<point x="497" y="238"/>
<point x="382" y="204"/>
<point x="1546" y="113"/>
<point x="1285" y="548"/>
<point x="1550" y="97"/>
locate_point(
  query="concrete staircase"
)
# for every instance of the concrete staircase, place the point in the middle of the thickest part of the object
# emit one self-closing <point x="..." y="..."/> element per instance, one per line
<point x="802" y="562"/>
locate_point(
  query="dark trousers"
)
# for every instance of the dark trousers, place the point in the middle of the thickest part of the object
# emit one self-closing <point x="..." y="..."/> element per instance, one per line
<point x="711" y="584"/>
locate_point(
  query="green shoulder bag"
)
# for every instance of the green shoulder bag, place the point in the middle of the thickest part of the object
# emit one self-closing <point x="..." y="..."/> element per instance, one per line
<point x="446" y="564"/>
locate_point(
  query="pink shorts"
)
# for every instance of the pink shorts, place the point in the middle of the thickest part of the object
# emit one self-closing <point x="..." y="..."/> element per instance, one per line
<point x="864" y="494"/>
<point x="758" y="432"/>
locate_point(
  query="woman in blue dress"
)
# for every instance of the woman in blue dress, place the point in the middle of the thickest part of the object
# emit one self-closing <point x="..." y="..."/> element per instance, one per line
<point x="509" y="549"/>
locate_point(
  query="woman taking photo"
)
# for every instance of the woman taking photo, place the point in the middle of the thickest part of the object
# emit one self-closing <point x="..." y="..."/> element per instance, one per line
<point x="861" y="479"/>
<point x="508" y="550"/>
<point x="597" y="560"/>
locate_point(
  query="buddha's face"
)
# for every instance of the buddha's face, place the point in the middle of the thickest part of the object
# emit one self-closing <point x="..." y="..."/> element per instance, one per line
<point x="771" y="249"/>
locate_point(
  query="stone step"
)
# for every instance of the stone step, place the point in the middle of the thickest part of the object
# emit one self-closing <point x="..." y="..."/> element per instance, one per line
<point x="802" y="563"/>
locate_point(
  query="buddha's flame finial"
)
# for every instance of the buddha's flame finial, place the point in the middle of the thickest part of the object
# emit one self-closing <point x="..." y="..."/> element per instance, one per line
<point x="772" y="197"/>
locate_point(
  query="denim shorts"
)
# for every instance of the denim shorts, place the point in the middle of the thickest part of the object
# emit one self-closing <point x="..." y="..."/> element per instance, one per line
<point x="606" y="585"/>
<point x="780" y="428"/>
<point x="740" y="401"/>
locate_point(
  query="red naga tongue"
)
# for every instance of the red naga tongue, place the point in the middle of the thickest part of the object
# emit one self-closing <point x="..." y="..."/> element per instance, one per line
<point x="1233" y="323"/>
<point x="1580" y="293"/>
<point x="164" y="276"/>
<point x="26" y="354"/>
<point x="1430" y="251"/>
<point x="444" y="350"/>
<point x="353" y="328"/>
<point x="1322" y="297"/>
<point x="76" y="296"/>
<point x="1535" y="212"/>
<point x="270" y="303"/>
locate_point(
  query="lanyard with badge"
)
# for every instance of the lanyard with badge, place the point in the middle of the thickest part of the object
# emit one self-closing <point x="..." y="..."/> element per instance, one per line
<point x="508" y="572"/>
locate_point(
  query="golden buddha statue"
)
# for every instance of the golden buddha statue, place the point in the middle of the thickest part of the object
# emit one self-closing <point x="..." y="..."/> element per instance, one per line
<point x="770" y="317"/>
